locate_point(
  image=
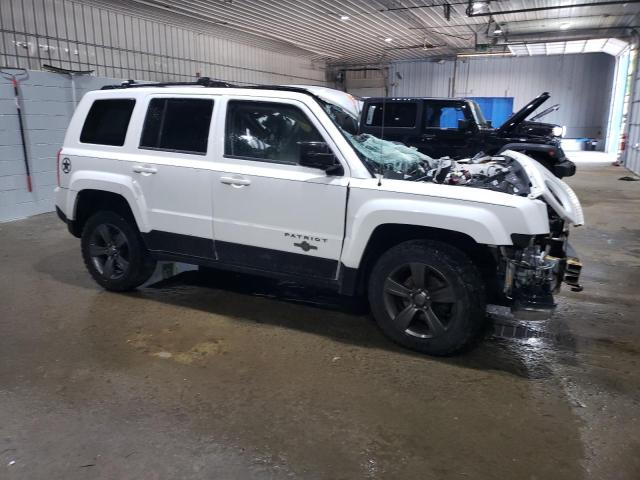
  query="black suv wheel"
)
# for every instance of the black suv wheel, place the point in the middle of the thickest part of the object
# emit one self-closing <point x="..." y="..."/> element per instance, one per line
<point x="114" y="253"/>
<point x="427" y="296"/>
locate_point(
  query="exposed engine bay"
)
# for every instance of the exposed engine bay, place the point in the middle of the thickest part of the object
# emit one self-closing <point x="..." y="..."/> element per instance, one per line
<point x="510" y="172"/>
<point x="397" y="161"/>
<point x="501" y="174"/>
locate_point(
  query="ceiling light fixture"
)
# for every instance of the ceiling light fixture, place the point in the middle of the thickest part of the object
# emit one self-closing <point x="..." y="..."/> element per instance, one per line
<point x="480" y="7"/>
<point x="565" y="26"/>
<point x="497" y="31"/>
<point x="344" y="18"/>
<point x="388" y="39"/>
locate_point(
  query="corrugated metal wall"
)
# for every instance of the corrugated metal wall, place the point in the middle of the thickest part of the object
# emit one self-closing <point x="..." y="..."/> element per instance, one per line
<point x="366" y="82"/>
<point x="631" y="155"/>
<point x="421" y="79"/>
<point x="87" y="36"/>
<point x="116" y="45"/>
<point x="580" y="83"/>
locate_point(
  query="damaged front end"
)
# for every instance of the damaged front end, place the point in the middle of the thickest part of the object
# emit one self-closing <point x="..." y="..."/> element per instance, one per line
<point x="529" y="272"/>
<point x="534" y="268"/>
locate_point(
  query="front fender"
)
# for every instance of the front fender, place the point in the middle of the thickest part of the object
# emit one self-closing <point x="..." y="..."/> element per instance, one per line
<point x="487" y="224"/>
<point x="119" y="184"/>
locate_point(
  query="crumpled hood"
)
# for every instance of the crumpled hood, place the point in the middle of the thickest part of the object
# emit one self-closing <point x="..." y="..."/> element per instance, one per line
<point x="547" y="186"/>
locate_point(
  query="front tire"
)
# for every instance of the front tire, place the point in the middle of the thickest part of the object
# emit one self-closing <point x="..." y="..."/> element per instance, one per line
<point x="114" y="253"/>
<point x="427" y="296"/>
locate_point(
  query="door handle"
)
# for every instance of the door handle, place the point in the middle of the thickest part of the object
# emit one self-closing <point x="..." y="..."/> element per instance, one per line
<point x="237" y="181"/>
<point x="144" y="169"/>
<point x="428" y="137"/>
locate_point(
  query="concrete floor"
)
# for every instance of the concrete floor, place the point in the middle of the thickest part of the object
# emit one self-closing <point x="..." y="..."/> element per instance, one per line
<point x="232" y="377"/>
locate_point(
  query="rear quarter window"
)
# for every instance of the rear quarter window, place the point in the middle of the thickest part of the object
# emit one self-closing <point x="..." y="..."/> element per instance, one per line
<point x="177" y="125"/>
<point x="391" y="114"/>
<point x="107" y="122"/>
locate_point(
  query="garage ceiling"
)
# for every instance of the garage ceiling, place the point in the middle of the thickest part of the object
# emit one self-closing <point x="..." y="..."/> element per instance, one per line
<point x="612" y="46"/>
<point x="361" y="31"/>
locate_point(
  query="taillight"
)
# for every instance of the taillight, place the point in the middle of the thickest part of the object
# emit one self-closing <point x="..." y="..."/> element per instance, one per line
<point x="58" y="166"/>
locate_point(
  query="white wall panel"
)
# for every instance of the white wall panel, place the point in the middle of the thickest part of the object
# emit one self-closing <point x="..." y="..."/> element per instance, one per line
<point x="421" y="79"/>
<point x="115" y="45"/>
<point x="631" y="155"/>
<point x="88" y="36"/>
<point x="580" y="83"/>
<point x="47" y="106"/>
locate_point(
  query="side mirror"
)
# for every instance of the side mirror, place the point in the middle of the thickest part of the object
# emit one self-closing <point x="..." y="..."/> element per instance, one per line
<point x="319" y="155"/>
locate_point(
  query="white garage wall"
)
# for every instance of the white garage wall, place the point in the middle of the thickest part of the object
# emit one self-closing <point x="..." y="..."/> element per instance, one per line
<point x="115" y="40"/>
<point x="116" y="43"/>
<point x="580" y="83"/>
<point x="47" y="108"/>
<point x="631" y="155"/>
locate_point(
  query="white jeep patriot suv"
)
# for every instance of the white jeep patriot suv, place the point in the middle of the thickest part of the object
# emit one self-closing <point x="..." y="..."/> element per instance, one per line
<point x="277" y="181"/>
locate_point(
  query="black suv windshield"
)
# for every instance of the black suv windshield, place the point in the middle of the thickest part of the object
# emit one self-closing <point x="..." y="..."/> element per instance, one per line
<point x="478" y="115"/>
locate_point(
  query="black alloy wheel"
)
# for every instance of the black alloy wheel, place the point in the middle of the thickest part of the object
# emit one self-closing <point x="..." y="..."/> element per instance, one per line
<point x="114" y="252"/>
<point x="428" y="296"/>
<point x="420" y="300"/>
<point x="109" y="250"/>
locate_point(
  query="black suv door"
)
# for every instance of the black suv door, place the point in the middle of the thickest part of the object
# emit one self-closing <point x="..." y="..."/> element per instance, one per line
<point x="393" y="119"/>
<point x="448" y="128"/>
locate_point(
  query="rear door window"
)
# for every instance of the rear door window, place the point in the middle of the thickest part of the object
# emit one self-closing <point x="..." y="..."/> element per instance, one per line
<point x="107" y="122"/>
<point x="393" y="114"/>
<point x="177" y="125"/>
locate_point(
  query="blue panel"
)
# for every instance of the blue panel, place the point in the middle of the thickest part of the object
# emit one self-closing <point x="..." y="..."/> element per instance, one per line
<point x="449" y="117"/>
<point x="496" y="109"/>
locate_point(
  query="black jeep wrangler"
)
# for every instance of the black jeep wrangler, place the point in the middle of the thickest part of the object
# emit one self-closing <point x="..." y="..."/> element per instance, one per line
<point x="456" y="127"/>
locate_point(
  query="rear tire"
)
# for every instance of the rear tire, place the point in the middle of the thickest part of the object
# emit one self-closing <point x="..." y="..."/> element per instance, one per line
<point x="428" y="296"/>
<point x="114" y="253"/>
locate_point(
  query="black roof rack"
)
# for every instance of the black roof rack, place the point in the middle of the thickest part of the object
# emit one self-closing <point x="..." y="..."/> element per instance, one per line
<point x="207" y="82"/>
<point x="202" y="82"/>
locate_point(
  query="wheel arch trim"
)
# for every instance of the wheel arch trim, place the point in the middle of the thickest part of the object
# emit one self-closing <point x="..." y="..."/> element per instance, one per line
<point x="480" y="224"/>
<point x="120" y="185"/>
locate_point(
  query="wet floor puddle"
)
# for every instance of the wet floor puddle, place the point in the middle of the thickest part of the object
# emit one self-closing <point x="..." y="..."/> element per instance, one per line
<point x="503" y="327"/>
<point x="164" y="347"/>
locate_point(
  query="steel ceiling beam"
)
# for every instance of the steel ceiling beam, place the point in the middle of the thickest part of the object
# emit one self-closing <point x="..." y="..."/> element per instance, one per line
<point x="541" y="9"/>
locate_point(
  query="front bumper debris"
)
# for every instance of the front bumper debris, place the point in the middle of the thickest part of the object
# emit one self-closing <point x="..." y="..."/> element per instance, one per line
<point x="572" y="274"/>
<point x="533" y="276"/>
<point x="530" y="282"/>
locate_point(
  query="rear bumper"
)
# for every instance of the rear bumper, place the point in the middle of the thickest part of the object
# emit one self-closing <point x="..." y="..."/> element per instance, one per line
<point x="61" y="214"/>
<point x="64" y="207"/>
<point x="71" y="225"/>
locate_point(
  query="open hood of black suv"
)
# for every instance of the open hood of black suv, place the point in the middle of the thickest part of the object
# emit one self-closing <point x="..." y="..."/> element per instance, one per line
<point x="545" y="112"/>
<point x="517" y="118"/>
